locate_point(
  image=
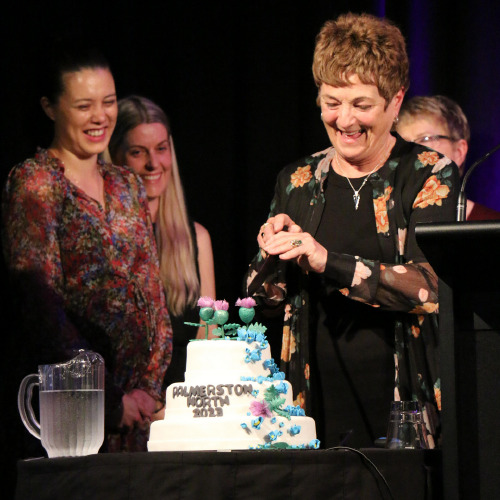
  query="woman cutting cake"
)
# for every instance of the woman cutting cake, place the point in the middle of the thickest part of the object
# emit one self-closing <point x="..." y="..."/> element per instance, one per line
<point x="338" y="252"/>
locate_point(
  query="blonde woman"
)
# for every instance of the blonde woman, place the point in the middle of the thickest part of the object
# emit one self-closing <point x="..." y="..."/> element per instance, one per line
<point x="142" y="140"/>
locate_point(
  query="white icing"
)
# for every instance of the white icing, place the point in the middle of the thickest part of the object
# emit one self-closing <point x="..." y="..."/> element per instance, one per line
<point x="219" y="406"/>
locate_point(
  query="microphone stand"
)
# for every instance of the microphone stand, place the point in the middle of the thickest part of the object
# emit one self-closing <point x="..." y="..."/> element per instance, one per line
<point x="462" y="199"/>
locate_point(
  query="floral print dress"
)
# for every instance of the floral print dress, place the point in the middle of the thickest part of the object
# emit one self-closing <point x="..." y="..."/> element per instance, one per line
<point x="419" y="185"/>
<point x="90" y="275"/>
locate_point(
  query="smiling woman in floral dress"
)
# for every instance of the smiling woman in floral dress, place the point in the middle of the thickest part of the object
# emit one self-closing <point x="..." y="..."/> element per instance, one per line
<point x="80" y="248"/>
<point x="338" y="251"/>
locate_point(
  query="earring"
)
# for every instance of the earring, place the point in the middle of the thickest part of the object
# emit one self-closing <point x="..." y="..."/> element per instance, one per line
<point x="322" y="116"/>
<point x="396" y="120"/>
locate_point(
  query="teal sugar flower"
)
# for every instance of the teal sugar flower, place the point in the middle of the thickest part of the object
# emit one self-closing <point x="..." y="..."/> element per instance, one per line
<point x="282" y="388"/>
<point x="221" y="314"/>
<point x="206" y="313"/>
<point x="270" y="364"/>
<point x="253" y="356"/>
<point x="247" y="311"/>
<point x="273" y="436"/>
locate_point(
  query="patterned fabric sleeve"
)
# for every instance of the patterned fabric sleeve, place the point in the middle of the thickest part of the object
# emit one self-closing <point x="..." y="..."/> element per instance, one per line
<point x="31" y="250"/>
<point x="30" y="221"/>
<point x="411" y="284"/>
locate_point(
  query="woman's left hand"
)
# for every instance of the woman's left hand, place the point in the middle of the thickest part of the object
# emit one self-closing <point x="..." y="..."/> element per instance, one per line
<point x="298" y="246"/>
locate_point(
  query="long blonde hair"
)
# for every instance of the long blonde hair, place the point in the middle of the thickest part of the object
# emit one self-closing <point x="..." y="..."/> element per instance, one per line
<point x="174" y="239"/>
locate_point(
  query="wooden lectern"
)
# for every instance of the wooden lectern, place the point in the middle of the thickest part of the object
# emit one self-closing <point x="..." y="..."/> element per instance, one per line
<point x="466" y="257"/>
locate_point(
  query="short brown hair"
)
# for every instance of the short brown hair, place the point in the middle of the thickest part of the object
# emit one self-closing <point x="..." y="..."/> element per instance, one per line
<point x="364" y="45"/>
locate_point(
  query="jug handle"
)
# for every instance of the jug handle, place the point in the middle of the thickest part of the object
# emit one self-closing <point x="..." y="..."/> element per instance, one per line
<point x="24" y="404"/>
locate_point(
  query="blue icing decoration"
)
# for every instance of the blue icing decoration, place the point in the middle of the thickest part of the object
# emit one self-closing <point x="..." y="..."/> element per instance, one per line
<point x="282" y="387"/>
<point x="295" y="411"/>
<point x="314" y="444"/>
<point x="257" y="422"/>
<point x="273" y="436"/>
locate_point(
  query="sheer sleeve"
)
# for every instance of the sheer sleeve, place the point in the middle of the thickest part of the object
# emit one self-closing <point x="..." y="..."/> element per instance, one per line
<point x="32" y="255"/>
<point x="411" y="284"/>
<point x="30" y="223"/>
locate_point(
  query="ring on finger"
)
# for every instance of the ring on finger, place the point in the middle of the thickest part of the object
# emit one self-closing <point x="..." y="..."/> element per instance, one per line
<point x="296" y="243"/>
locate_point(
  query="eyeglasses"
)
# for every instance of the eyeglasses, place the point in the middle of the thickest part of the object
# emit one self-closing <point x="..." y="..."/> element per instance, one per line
<point x="426" y="139"/>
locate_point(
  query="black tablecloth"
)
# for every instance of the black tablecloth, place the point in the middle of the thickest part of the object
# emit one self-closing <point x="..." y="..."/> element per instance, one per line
<point x="238" y="475"/>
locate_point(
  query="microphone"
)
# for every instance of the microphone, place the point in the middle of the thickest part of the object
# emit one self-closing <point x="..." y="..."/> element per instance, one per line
<point x="462" y="199"/>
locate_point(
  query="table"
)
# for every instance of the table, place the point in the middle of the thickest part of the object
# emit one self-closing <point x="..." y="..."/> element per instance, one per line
<point x="237" y="475"/>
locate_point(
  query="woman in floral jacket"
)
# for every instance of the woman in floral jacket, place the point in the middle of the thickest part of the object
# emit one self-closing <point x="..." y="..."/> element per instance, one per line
<point x="339" y="253"/>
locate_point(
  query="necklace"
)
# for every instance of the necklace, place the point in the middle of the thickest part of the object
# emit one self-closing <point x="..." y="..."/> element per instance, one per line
<point x="356" y="196"/>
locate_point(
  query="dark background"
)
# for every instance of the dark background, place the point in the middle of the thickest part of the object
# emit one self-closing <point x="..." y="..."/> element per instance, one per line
<point x="235" y="79"/>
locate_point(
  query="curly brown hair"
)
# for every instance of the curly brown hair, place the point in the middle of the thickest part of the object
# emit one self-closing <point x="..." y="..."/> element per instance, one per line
<point x="364" y="45"/>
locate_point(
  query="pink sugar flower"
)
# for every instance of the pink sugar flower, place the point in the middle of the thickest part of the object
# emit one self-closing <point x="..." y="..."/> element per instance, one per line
<point x="247" y="302"/>
<point x="205" y="302"/>
<point x="221" y="305"/>
<point x="260" y="409"/>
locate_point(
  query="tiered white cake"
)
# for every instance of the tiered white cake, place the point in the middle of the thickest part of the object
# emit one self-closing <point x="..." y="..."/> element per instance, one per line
<point x="233" y="398"/>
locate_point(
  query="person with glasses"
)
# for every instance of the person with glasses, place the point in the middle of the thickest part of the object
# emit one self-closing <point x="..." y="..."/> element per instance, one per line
<point x="439" y="123"/>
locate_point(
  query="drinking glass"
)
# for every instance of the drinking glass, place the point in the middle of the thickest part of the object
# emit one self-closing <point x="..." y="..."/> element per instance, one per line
<point x="406" y="427"/>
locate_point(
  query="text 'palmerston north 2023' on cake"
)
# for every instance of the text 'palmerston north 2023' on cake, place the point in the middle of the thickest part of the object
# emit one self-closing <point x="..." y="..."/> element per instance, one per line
<point x="234" y="397"/>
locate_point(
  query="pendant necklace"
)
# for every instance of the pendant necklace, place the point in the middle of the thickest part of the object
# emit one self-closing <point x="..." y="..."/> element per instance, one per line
<point x="356" y="196"/>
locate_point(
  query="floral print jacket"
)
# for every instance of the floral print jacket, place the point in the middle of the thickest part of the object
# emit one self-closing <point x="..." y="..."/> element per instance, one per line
<point x="419" y="185"/>
<point x="91" y="272"/>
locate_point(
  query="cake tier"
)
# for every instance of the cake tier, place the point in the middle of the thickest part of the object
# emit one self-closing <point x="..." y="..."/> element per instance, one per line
<point x="231" y="433"/>
<point x="224" y="359"/>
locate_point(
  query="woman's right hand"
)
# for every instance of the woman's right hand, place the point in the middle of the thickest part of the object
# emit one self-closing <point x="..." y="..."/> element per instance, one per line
<point x="274" y="225"/>
<point x="138" y="406"/>
<point x="131" y="413"/>
<point x="282" y="237"/>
